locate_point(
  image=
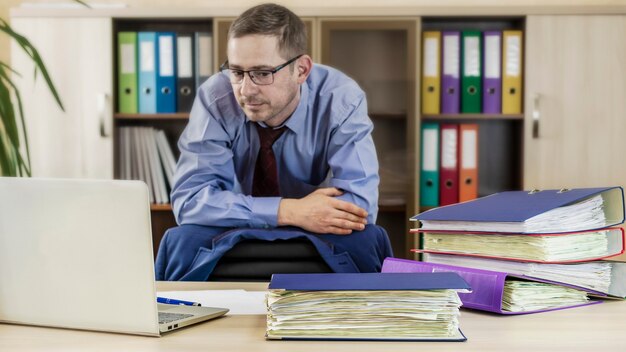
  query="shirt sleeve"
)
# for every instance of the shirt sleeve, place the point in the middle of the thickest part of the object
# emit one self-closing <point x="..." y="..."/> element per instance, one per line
<point x="206" y="191"/>
<point x="352" y="158"/>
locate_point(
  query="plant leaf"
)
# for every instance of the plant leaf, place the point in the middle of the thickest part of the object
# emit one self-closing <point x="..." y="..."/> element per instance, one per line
<point x="8" y="112"/>
<point x="30" y="50"/>
<point x="18" y="98"/>
<point x="83" y="3"/>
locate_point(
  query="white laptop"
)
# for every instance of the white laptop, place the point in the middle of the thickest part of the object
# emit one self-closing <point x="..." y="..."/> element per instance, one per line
<point x="78" y="254"/>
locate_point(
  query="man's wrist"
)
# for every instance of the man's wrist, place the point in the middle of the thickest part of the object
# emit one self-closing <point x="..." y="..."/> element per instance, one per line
<point x="285" y="216"/>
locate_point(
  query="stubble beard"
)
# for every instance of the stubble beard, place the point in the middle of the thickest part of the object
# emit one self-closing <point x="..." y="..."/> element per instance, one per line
<point x="269" y="113"/>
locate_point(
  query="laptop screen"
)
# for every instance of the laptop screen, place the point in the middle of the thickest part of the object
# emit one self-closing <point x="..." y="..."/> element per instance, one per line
<point x="77" y="254"/>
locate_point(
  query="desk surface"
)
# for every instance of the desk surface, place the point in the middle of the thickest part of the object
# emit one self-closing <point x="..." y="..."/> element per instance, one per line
<point x="592" y="328"/>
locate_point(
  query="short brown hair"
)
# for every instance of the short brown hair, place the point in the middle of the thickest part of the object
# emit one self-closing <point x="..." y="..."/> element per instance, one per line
<point x="275" y="20"/>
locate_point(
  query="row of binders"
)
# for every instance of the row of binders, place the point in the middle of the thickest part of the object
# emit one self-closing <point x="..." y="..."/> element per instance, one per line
<point x="527" y="252"/>
<point x="449" y="163"/>
<point x="472" y="72"/>
<point x="146" y="155"/>
<point x="159" y="72"/>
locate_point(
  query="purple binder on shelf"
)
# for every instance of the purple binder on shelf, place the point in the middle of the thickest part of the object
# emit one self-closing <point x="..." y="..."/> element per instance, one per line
<point x="492" y="72"/>
<point x="451" y="75"/>
<point x="487" y="286"/>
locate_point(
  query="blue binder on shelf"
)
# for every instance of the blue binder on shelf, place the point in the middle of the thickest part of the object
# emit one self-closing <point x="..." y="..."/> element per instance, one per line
<point x="517" y="211"/>
<point x="166" y="73"/>
<point x="429" y="165"/>
<point x="148" y="61"/>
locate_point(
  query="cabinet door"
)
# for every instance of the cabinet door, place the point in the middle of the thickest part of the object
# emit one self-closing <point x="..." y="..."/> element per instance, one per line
<point x="78" y="55"/>
<point x="576" y="88"/>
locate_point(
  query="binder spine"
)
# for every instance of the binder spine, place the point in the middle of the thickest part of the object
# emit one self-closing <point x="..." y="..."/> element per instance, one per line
<point x="449" y="169"/>
<point x="512" y="46"/>
<point x="492" y="71"/>
<point x="431" y="82"/>
<point x="429" y="174"/>
<point x="185" y="68"/>
<point x="450" y="81"/>
<point x="127" y="72"/>
<point x="147" y="72"/>
<point x="471" y="83"/>
<point x="166" y="68"/>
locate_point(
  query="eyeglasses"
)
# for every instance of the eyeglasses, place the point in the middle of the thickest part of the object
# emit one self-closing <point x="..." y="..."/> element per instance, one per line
<point x="259" y="77"/>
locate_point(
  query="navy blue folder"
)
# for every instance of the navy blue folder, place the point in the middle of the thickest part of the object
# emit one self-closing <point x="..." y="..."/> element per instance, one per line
<point x="519" y="206"/>
<point x="368" y="282"/>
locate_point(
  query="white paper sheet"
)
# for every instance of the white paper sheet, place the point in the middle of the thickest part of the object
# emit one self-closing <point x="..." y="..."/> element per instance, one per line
<point x="240" y="302"/>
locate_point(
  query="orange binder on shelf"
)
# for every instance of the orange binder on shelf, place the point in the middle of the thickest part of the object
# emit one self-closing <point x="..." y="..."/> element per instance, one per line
<point x="431" y="80"/>
<point x="468" y="162"/>
<point x="512" y="46"/>
<point x="449" y="168"/>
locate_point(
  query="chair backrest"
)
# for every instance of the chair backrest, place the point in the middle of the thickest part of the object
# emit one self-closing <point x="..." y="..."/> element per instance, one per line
<point x="257" y="260"/>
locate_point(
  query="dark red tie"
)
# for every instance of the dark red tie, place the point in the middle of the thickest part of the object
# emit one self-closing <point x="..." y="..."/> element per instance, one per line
<point x="265" y="182"/>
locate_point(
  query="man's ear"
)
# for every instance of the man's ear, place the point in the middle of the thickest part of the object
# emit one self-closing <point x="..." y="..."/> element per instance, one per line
<point x="304" y="65"/>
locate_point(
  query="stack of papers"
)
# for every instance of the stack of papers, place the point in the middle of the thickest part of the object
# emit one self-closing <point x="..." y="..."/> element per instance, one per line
<point x="365" y="306"/>
<point x="550" y="211"/>
<point x="601" y="276"/>
<point x="545" y="248"/>
<point x="526" y="296"/>
<point x="363" y="314"/>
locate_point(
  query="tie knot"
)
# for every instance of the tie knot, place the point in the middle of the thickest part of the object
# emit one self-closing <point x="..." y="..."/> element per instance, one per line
<point x="268" y="135"/>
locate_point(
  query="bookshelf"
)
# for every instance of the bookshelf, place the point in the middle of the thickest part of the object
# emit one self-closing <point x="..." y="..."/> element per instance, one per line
<point x="499" y="134"/>
<point x="572" y="56"/>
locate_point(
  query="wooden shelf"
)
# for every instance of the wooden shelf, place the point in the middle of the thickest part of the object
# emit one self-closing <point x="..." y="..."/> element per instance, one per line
<point x="174" y="116"/>
<point x="474" y="117"/>
<point x="387" y="115"/>
<point x="391" y="208"/>
<point x="160" y="207"/>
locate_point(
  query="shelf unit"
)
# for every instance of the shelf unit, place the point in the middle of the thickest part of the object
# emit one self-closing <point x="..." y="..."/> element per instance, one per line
<point x="388" y="77"/>
<point x="500" y="136"/>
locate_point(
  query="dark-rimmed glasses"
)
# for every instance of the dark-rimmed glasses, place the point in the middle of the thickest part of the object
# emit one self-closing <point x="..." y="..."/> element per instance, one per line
<point x="259" y="77"/>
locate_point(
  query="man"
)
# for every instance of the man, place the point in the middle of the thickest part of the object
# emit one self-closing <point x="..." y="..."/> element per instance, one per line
<point x="274" y="140"/>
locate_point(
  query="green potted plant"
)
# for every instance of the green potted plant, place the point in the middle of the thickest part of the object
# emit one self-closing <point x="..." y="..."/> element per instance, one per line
<point x="14" y="153"/>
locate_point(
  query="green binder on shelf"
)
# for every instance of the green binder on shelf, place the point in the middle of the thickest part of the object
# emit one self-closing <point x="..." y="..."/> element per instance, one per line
<point x="127" y="72"/>
<point x="429" y="168"/>
<point x="471" y="68"/>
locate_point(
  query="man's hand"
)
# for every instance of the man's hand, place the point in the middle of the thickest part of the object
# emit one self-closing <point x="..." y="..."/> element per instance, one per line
<point x="321" y="212"/>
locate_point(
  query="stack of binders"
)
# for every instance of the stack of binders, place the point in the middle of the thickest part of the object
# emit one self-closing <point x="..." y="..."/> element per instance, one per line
<point x="159" y="72"/>
<point x="525" y="252"/>
<point x="471" y="71"/>
<point x="367" y="306"/>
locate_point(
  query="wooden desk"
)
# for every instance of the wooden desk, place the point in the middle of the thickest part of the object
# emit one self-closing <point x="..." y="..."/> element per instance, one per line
<point x="593" y="328"/>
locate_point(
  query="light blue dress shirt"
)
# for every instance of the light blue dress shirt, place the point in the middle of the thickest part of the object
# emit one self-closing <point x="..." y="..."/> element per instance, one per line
<point x="328" y="143"/>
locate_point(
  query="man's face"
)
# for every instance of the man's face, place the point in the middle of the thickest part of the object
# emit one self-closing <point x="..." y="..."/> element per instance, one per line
<point x="271" y="104"/>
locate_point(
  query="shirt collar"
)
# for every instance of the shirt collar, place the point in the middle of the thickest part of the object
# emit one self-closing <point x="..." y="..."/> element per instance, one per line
<point x="297" y="120"/>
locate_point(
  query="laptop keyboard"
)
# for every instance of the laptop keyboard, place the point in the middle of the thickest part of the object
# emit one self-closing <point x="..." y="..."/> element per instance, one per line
<point x="165" y="317"/>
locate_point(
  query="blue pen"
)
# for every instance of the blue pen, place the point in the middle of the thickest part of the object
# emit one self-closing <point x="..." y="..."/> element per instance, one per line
<point x="176" y="301"/>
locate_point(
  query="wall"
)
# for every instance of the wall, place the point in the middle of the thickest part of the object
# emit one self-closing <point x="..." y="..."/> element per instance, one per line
<point x="5" y="5"/>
